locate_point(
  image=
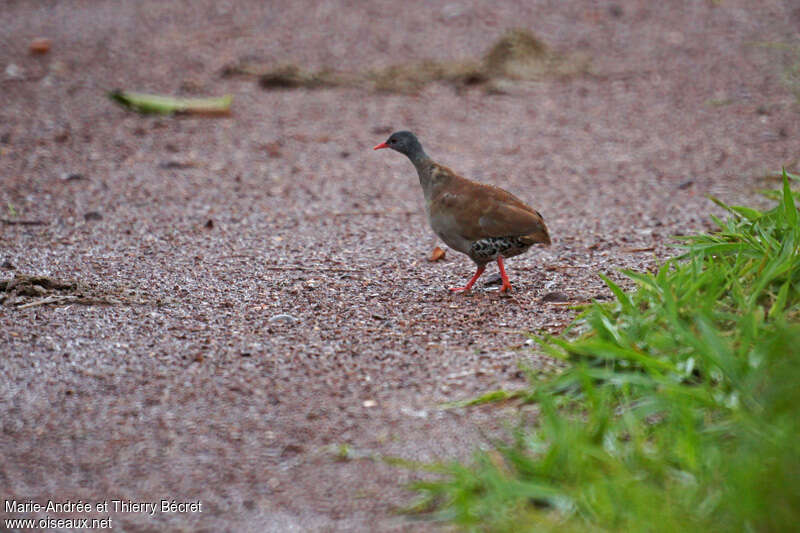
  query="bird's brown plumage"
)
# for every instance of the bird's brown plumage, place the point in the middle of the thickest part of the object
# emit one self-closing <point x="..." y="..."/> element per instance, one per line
<point x="482" y="211"/>
<point x="484" y="222"/>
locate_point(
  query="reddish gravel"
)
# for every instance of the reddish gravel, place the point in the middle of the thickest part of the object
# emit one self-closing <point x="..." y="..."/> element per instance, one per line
<point x="273" y="300"/>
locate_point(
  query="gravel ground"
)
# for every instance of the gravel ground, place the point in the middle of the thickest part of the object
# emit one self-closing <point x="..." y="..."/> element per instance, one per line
<point x="256" y="289"/>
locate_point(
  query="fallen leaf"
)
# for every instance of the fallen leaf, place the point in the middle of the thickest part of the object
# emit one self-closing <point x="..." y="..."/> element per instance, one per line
<point x="436" y="255"/>
<point x="40" y="45"/>
<point x="166" y="105"/>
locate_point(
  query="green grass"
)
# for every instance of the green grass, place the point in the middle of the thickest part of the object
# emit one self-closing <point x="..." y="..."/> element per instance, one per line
<point x="678" y="409"/>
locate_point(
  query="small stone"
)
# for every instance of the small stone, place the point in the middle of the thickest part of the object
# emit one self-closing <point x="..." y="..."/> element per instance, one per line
<point x="369" y="403"/>
<point x="92" y="215"/>
<point x="284" y="317"/>
<point x="7" y="265"/>
<point x="555" y="296"/>
<point x="67" y="176"/>
<point x="173" y="164"/>
<point x="13" y="72"/>
<point x="493" y="279"/>
<point x="416" y="413"/>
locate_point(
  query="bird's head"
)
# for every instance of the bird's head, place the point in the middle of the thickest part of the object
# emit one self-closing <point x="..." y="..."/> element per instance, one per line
<point x="404" y="142"/>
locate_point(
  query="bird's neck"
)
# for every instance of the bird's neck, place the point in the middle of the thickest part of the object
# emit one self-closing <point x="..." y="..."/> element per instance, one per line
<point x="434" y="178"/>
<point x="419" y="158"/>
<point x="424" y="165"/>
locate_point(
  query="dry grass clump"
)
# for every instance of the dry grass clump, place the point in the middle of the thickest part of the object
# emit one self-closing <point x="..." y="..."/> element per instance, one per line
<point x="293" y="77"/>
<point x="410" y="78"/>
<point x="517" y="55"/>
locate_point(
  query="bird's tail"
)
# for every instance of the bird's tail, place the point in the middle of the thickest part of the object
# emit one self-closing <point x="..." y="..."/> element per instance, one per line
<point x="540" y="236"/>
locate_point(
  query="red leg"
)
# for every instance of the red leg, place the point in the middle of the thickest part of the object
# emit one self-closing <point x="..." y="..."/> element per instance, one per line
<point x="471" y="282"/>
<point x="506" y="284"/>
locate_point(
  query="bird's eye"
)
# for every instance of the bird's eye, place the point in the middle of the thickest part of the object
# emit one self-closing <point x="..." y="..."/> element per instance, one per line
<point x="391" y="141"/>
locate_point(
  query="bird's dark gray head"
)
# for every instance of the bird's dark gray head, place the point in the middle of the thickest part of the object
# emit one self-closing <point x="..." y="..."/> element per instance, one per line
<point x="406" y="143"/>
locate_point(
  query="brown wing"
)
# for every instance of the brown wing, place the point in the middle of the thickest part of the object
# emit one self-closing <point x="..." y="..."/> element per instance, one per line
<point x="481" y="211"/>
<point x="509" y="220"/>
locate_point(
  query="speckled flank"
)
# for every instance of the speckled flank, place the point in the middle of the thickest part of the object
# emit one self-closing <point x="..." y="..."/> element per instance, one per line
<point x="485" y="250"/>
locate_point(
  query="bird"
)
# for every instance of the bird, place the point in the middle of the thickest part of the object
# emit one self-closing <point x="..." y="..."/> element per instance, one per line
<point x="482" y="221"/>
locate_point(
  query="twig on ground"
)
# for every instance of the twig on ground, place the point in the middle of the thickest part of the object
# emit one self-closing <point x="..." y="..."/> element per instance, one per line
<point x="48" y="300"/>
<point x="24" y="222"/>
<point x="58" y="299"/>
<point x="635" y="250"/>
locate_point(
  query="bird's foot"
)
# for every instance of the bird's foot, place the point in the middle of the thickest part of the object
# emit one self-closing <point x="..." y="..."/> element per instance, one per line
<point x="506" y="284"/>
<point x="471" y="282"/>
<point x="461" y="290"/>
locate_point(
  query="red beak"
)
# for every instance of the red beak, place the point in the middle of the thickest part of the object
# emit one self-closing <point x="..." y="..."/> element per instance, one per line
<point x="381" y="145"/>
